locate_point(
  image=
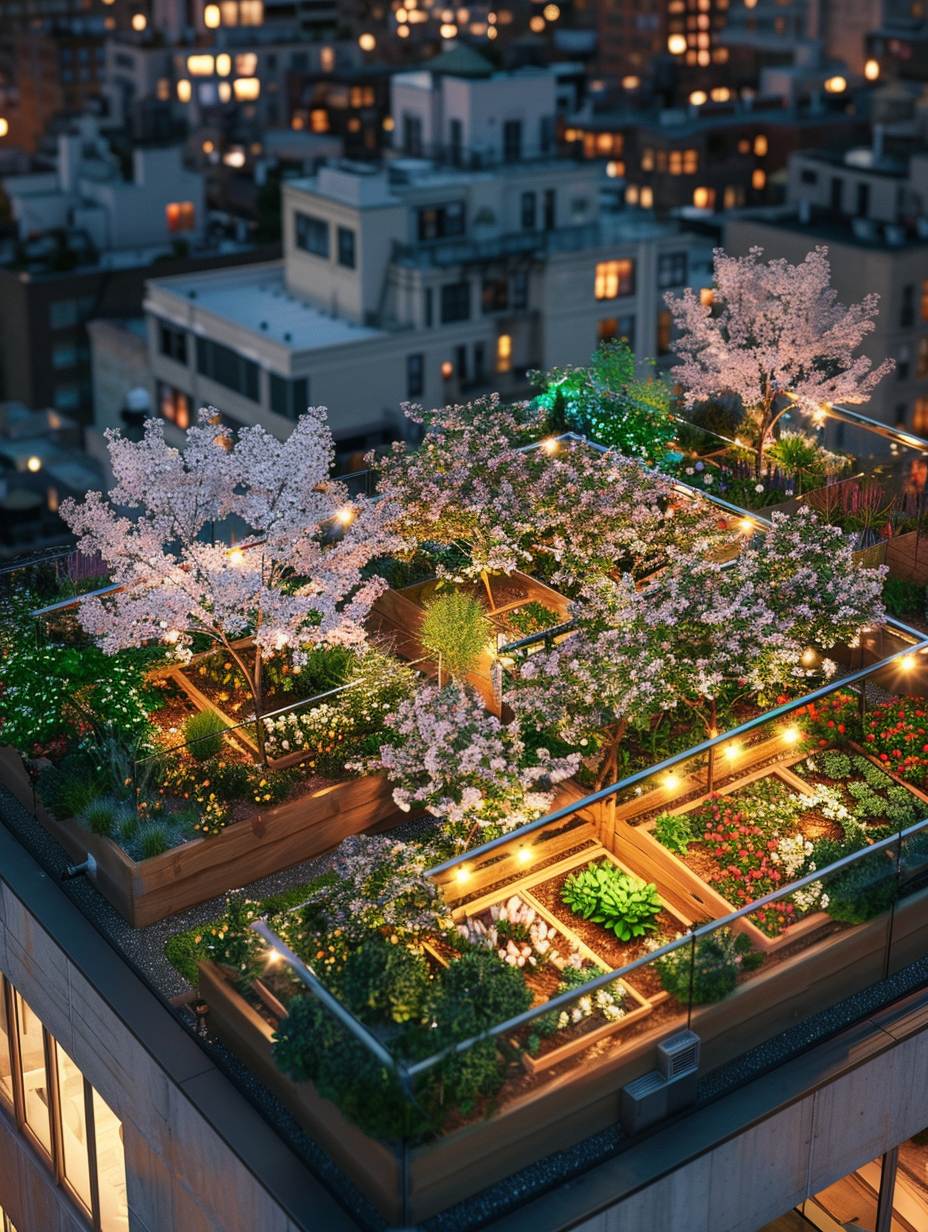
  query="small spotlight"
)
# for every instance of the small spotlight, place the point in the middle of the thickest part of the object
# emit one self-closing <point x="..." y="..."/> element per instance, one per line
<point x="524" y="855"/>
<point x="462" y="874"/>
<point x="732" y="751"/>
<point x="746" y="525"/>
<point x="671" y="781"/>
<point x="907" y="663"/>
<point x="791" y="735"/>
<point x="34" y="464"/>
<point x="236" y="556"/>
<point x="550" y="445"/>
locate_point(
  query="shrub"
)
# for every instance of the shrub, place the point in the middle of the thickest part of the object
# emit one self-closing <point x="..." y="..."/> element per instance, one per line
<point x="621" y="902"/>
<point x="711" y="972"/>
<point x="675" y="832"/>
<point x="388" y="983"/>
<point x="456" y="629"/>
<point x="901" y="597"/>
<point x="68" y="788"/>
<point x="533" y="618"/>
<point x="203" y="733"/>
<point x="863" y="891"/>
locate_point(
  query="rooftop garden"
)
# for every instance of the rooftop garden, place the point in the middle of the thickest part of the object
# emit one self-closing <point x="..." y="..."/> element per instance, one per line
<point x="627" y="718"/>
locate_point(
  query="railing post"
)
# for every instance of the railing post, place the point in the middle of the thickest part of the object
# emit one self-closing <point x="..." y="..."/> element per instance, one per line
<point x="884" y="1207"/>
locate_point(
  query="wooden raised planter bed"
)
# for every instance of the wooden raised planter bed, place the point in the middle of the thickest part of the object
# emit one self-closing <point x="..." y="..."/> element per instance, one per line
<point x="637" y="1005"/>
<point x="399" y="615"/>
<point x="563" y="1109"/>
<point x="194" y="872"/>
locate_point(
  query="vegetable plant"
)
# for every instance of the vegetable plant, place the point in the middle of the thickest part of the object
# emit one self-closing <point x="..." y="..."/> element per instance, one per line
<point x="619" y="901"/>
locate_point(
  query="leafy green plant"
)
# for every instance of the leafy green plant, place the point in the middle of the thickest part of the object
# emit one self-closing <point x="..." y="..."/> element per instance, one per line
<point x="675" y="832"/>
<point x="711" y="972"/>
<point x="608" y="403"/>
<point x="68" y="788"/>
<point x="901" y="597"/>
<point x="203" y="734"/>
<point x="456" y="629"/>
<point x="864" y="890"/>
<point x="620" y="901"/>
<point x="389" y="981"/>
<point x="533" y="618"/>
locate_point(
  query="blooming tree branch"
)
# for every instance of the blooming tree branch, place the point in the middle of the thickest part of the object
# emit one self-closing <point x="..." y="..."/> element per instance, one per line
<point x="781" y="332"/>
<point x="286" y="585"/>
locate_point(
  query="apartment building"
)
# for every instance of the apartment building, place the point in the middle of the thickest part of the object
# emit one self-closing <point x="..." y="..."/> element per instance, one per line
<point x="425" y="280"/>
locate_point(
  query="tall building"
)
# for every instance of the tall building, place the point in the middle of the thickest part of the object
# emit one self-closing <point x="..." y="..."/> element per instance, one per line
<point x="472" y="257"/>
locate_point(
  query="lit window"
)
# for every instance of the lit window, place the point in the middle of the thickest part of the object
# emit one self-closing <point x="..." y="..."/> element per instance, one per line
<point x="181" y="216"/>
<point x="163" y="90"/>
<point x="246" y="88"/>
<point x="614" y="279"/>
<point x="246" y="64"/>
<point x="920" y="417"/>
<point x="184" y="90"/>
<point x="647" y="160"/>
<point x="251" y="12"/>
<point x="504" y="353"/>
<point x="646" y="199"/>
<point x="704" y="198"/>
<point x="200" y="66"/>
<point x="758" y="178"/>
<point x="319" y="121"/>
<point x="760" y="145"/>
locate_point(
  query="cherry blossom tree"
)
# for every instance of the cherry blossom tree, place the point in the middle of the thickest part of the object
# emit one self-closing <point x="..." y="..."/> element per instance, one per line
<point x="781" y="337"/>
<point x="700" y="631"/>
<point x="290" y="583"/>
<point x="451" y="758"/>
<point x="482" y="482"/>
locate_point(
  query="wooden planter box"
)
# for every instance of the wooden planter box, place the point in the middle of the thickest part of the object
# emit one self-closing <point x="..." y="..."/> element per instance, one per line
<point x="564" y="1109"/>
<point x="399" y="615"/>
<point x="204" y="868"/>
<point x="637" y="1005"/>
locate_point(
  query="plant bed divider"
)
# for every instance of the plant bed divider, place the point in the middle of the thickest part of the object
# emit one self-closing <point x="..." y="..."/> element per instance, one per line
<point x="399" y="614"/>
<point x="267" y="842"/>
<point x="523" y="889"/>
<point x="564" y="1109"/>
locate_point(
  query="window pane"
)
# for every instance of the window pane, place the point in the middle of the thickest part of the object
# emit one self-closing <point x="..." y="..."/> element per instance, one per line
<point x="111" y="1168"/>
<point x="76" y="1161"/>
<point x="6" y="1072"/>
<point x="35" y="1078"/>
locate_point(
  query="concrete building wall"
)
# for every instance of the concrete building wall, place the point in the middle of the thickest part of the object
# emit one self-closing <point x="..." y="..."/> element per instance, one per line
<point x="183" y="1174"/>
<point x="119" y="362"/>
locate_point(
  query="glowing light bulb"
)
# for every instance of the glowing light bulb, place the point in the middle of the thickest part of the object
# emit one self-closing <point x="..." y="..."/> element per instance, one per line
<point x="732" y="751"/>
<point x="907" y="663"/>
<point x="345" y="516"/>
<point x="236" y="556"/>
<point x="746" y="525"/>
<point x="462" y="874"/>
<point x="525" y="855"/>
<point x="34" y="464"/>
<point x="671" y="781"/>
<point x="550" y="445"/>
<point x="791" y="735"/>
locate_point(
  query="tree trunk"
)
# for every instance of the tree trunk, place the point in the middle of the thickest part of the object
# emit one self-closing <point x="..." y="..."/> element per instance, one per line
<point x="258" y="693"/>
<point x="610" y="761"/>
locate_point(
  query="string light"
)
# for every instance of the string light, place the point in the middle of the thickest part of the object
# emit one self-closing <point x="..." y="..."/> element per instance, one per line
<point x="236" y="556"/>
<point x="791" y="735"/>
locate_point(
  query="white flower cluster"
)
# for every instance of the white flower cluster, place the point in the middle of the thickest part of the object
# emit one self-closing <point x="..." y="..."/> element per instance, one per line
<point x="540" y="940"/>
<point x="602" y="1001"/>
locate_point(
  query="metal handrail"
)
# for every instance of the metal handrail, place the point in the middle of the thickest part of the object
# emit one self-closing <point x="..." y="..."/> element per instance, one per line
<point x="408" y="1071"/>
<point x="604" y="793"/>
